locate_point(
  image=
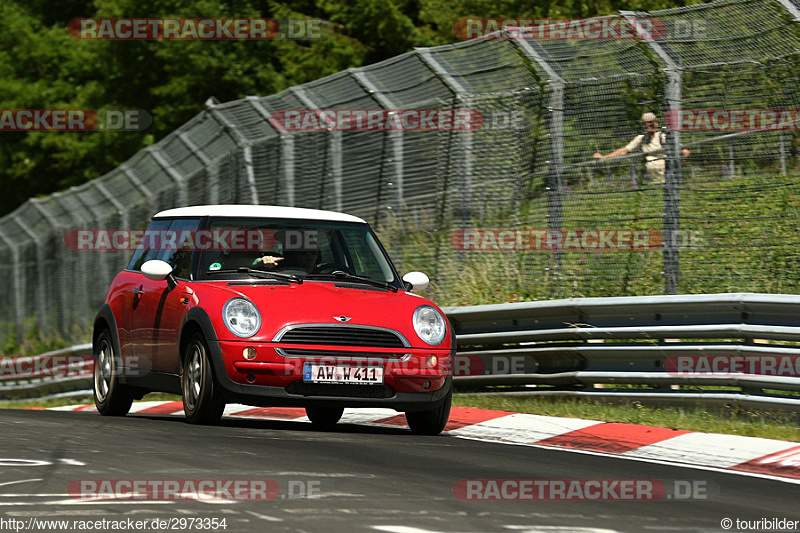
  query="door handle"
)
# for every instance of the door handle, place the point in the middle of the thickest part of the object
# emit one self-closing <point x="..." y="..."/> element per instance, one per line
<point x="137" y="292"/>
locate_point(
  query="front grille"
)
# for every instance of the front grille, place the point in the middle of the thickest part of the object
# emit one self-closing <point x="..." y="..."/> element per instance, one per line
<point x="339" y="391"/>
<point x="301" y="352"/>
<point x="342" y="336"/>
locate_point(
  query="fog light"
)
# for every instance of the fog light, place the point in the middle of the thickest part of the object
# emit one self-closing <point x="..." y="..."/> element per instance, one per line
<point x="249" y="353"/>
<point x="426" y="385"/>
<point x="432" y="360"/>
<point x="250" y="378"/>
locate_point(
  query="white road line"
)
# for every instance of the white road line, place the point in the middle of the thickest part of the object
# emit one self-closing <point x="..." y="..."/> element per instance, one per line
<point x="20" y="481"/>
<point x="265" y="517"/>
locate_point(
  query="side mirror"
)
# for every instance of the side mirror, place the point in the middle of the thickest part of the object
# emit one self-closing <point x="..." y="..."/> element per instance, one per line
<point x="158" y="270"/>
<point x="416" y="281"/>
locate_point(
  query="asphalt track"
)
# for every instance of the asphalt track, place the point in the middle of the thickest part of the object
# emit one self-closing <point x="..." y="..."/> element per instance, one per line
<point x="361" y="478"/>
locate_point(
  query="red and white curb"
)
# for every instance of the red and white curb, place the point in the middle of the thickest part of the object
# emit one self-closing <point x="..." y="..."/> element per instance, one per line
<point x="747" y="455"/>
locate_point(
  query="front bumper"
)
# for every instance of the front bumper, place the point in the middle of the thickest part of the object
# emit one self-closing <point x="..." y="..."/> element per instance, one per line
<point x="274" y="379"/>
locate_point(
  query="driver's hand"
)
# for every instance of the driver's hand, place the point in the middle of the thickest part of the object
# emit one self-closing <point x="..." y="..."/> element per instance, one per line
<point x="268" y="260"/>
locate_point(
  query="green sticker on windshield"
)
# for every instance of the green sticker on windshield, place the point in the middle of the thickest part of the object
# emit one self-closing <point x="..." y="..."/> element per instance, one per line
<point x="215" y="266"/>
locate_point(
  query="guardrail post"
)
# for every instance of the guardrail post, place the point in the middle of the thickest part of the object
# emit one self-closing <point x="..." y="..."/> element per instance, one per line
<point x="672" y="155"/>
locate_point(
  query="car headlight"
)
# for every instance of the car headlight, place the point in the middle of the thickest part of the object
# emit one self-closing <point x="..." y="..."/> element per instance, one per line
<point x="430" y="325"/>
<point x="241" y="317"/>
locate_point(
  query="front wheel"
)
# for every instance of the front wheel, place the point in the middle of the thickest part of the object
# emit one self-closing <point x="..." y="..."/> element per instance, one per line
<point x="324" y="417"/>
<point x="202" y="402"/>
<point x="432" y="421"/>
<point x="111" y="397"/>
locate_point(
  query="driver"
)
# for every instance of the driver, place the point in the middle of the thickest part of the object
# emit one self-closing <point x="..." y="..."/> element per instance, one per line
<point x="292" y="259"/>
<point x="298" y="253"/>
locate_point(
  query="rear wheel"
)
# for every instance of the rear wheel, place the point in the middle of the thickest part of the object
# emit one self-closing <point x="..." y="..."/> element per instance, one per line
<point x="111" y="397"/>
<point x="202" y="401"/>
<point x="432" y="421"/>
<point x="324" y="417"/>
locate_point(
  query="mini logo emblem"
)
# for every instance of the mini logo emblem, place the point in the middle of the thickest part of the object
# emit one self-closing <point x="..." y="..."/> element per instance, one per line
<point x="343" y="318"/>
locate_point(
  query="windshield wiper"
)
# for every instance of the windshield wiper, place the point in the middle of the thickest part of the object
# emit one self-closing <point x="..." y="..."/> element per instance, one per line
<point x="344" y="276"/>
<point x="257" y="273"/>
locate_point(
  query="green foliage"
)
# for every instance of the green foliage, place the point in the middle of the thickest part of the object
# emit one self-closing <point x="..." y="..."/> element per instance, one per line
<point x="42" y="67"/>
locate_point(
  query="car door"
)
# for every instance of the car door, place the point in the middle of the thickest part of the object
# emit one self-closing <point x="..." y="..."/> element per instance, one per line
<point x="131" y="296"/>
<point x="162" y="308"/>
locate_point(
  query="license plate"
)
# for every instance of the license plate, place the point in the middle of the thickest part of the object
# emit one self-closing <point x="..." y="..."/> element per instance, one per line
<point x="314" y="373"/>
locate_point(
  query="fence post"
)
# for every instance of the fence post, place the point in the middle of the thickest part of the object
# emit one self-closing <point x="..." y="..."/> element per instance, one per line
<point x="783" y="152"/>
<point x="672" y="155"/>
<point x="134" y="179"/>
<point x="555" y="173"/>
<point x="81" y="273"/>
<point x="395" y="139"/>
<point x="464" y="209"/>
<point x="247" y="151"/>
<point x="284" y="136"/>
<point x="334" y="148"/>
<point x="212" y="188"/>
<point x="41" y="272"/>
<point x="60" y="296"/>
<point x="18" y="281"/>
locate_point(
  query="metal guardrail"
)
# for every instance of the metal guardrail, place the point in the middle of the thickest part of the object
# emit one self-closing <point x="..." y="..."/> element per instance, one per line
<point x="581" y="346"/>
<point x="47" y="375"/>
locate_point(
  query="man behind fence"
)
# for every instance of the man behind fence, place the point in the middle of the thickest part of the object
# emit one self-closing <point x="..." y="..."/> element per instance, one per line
<point x="651" y="143"/>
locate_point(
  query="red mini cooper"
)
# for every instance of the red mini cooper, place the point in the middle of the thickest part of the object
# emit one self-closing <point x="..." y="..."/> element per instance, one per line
<point x="271" y="306"/>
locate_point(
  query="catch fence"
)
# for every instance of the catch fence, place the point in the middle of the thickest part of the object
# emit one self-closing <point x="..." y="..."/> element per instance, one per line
<point x="516" y="210"/>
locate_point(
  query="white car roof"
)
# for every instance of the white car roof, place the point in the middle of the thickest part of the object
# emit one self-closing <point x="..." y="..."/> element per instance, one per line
<point x="257" y="211"/>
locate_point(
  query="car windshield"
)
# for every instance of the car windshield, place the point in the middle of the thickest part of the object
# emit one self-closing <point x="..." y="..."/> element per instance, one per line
<point x="310" y="249"/>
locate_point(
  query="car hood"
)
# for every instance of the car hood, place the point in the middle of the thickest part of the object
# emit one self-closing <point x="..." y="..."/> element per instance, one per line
<point x="315" y="302"/>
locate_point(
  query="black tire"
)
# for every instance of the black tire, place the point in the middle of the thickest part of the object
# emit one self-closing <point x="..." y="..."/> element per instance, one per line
<point x="202" y="401"/>
<point x="432" y="421"/>
<point x="324" y="417"/>
<point x="111" y="397"/>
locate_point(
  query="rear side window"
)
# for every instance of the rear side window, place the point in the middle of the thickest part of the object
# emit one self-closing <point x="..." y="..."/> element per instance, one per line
<point x="147" y="248"/>
<point x="179" y="252"/>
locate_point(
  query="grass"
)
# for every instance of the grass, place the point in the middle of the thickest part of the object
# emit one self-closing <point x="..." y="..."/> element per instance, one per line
<point x="731" y="421"/>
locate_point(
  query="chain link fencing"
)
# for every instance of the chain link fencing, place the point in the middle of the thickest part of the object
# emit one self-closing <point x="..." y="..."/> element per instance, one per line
<point x="516" y="210"/>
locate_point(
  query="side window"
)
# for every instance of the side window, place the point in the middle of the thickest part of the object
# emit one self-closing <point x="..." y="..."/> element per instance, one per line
<point x="178" y="252"/>
<point x="148" y="246"/>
